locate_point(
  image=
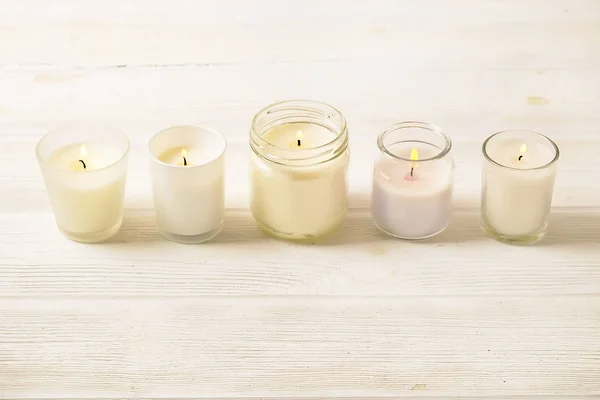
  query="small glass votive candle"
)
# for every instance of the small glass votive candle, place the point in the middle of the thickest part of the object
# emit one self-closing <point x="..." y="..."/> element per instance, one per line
<point x="188" y="182"/>
<point x="413" y="181"/>
<point x="84" y="169"/>
<point x="298" y="172"/>
<point x="519" y="170"/>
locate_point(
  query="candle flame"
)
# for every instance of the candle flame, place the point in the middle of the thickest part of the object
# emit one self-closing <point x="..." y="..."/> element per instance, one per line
<point x="523" y="148"/>
<point x="414" y="154"/>
<point x="83" y="151"/>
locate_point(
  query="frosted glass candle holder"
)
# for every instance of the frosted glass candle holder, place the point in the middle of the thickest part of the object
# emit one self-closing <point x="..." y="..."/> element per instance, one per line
<point x="298" y="172"/>
<point x="188" y="182"/>
<point x="84" y="169"/>
<point x="413" y="181"/>
<point x="519" y="170"/>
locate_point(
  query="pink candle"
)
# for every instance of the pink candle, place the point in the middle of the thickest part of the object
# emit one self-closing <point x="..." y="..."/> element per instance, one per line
<point x="412" y="182"/>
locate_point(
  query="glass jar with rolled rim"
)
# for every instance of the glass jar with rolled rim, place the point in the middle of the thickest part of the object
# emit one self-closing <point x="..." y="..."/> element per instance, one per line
<point x="413" y="181"/>
<point x="298" y="172"/>
<point x="84" y="168"/>
<point x="519" y="170"/>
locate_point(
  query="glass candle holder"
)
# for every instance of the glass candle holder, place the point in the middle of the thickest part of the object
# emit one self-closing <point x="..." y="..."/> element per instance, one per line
<point x="298" y="173"/>
<point x="84" y="169"/>
<point x="413" y="181"/>
<point x="519" y="170"/>
<point x="188" y="182"/>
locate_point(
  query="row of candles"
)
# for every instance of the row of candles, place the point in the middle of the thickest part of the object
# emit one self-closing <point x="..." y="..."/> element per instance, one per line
<point x="299" y="190"/>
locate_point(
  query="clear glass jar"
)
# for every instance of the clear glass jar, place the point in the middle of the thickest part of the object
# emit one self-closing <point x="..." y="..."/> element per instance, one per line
<point x="298" y="171"/>
<point x="413" y="181"/>
<point x="85" y="168"/>
<point x="519" y="170"/>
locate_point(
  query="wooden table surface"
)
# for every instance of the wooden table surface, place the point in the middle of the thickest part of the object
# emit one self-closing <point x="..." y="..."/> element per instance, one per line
<point x="354" y="316"/>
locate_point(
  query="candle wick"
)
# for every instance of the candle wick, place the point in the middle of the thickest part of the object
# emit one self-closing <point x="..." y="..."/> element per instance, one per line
<point x="184" y="161"/>
<point x="412" y="170"/>
<point x="83" y="162"/>
<point x="299" y="143"/>
<point x="520" y="157"/>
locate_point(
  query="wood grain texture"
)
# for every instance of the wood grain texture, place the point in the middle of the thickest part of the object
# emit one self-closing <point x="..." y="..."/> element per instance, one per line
<point x="496" y="34"/>
<point x="289" y="345"/>
<point x="244" y="261"/>
<point x="353" y="316"/>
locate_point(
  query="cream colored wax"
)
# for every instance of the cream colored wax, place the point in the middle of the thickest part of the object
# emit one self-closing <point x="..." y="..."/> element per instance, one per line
<point x="87" y="201"/>
<point x="299" y="201"/>
<point x="517" y="193"/>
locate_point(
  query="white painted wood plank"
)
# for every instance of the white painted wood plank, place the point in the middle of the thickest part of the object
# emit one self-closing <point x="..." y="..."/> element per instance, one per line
<point x="498" y="34"/>
<point x="469" y="104"/>
<point x="243" y="261"/>
<point x="306" y="346"/>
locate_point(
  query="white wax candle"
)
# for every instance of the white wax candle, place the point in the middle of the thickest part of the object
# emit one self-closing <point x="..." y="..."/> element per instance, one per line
<point x="518" y="183"/>
<point x="85" y="180"/>
<point x="412" y="200"/>
<point x="188" y="182"/>
<point x="299" y="201"/>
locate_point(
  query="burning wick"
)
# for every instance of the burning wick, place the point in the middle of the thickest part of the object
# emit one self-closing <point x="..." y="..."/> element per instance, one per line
<point x="523" y="150"/>
<point x="83" y="154"/>
<point x="183" y="155"/>
<point x="414" y="155"/>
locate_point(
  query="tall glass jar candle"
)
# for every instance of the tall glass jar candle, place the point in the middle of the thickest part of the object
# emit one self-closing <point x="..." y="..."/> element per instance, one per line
<point x="412" y="181"/>
<point x="299" y="161"/>
<point x="85" y="168"/>
<point x="519" y="170"/>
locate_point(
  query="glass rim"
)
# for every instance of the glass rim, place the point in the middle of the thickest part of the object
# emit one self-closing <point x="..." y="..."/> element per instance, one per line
<point x="196" y="127"/>
<point x="546" y="138"/>
<point x="419" y="125"/>
<point x="300" y="102"/>
<point x="56" y="131"/>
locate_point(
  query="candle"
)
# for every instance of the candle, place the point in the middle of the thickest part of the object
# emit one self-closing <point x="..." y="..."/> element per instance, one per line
<point x="518" y="181"/>
<point x="188" y="182"/>
<point x="412" y="181"/>
<point x="299" y="165"/>
<point x="84" y="169"/>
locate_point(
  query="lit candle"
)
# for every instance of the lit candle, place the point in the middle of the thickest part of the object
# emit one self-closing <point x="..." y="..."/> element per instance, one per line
<point x="412" y="181"/>
<point x="188" y="182"/>
<point x="85" y="180"/>
<point x="414" y="156"/>
<point x="518" y="182"/>
<point x="298" y="169"/>
<point x="80" y="164"/>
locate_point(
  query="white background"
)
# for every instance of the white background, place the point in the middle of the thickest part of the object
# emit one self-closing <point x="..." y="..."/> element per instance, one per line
<point x="357" y="315"/>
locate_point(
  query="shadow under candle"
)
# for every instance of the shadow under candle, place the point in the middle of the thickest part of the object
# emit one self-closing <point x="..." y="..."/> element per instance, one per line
<point x="568" y="226"/>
